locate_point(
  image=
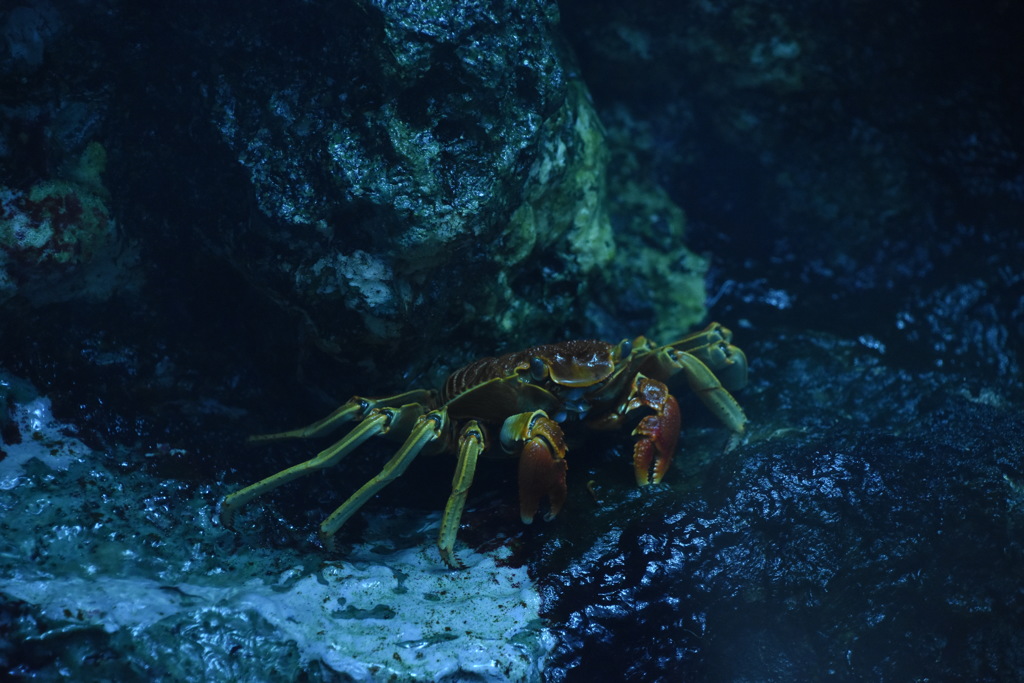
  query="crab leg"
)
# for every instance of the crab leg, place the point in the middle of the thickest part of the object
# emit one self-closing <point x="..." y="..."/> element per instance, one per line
<point x="712" y="348"/>
<point x="710" y="391"/>
<point x="542" y="462"/>
<point x="472" y="442"/>
<point x="668" y="361"/>
<point x="429" y="427"/>
<point x="657" y="434"/>
<point x="379" y="421"/>
<point x="356" y="408"/>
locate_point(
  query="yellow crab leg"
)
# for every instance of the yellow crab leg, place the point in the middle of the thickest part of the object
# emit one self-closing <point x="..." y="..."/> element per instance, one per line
<point x="699" y="356"/>
<point x="712" y="334"/>
<point x="429" y="427"/>
<point x="710" y="391"/>
<point x="381" y="421"/>
<point x="472" y="443"/>
<point x="356" y="408"/>
<point x="712" y="348"/>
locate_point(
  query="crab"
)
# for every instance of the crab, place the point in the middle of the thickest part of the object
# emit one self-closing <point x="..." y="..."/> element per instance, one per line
<point x="527" y="398"/>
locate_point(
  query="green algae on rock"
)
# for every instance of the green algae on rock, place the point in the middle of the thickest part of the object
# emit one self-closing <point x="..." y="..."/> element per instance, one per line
<point x="587" y="218"/>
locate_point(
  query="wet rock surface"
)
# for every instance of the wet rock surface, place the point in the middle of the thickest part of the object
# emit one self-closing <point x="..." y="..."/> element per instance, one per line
<point x="111" y="571"/>
<point x="869" y="528"/>
<point x="863" y="227"/>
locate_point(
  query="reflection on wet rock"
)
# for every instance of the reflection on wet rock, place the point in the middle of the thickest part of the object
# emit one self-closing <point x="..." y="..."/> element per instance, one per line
<point x="881" y="543"/>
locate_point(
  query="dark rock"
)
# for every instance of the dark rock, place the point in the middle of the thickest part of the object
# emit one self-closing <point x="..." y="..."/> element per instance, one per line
<point x="865" y="531"/>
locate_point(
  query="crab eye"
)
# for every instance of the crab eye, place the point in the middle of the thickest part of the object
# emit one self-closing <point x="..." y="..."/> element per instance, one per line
<point x="537" y="368"/>
<point x="626" y="348"/>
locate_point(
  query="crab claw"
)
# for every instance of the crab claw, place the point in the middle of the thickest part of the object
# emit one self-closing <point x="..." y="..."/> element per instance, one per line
<point x="542" y="462"/>
<point x="656" y="434"/>
<point x="541" y="473"/>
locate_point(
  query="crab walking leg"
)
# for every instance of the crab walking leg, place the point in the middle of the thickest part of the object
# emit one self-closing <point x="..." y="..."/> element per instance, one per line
<point x="382" y="421"/>
<point x="728" y="362"/>
<point x="356" y="408"/>
<point x="542" y="464"/>
<point x="429" y="427"/>
<point x="656" y="434"/>
<point x="712" y="335"/>
<point x="711" y="346"/>
<point x="667" y="361"/>
<point x="471" y="444"/>
<point x="710" y="391"/>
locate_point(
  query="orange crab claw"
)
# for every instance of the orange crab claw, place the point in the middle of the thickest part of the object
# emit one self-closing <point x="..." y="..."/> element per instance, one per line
<point x="656" y="434"/>
<point x="541" y="473"/>
<point x="542" y="462"/>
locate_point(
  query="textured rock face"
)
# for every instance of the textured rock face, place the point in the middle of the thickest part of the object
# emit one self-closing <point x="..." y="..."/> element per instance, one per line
<point x="390" y="157"/>
<point x="433" y="169"/>
<point x="380" y="173"/>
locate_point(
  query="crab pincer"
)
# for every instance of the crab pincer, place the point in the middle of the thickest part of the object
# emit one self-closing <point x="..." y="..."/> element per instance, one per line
<point x="542" y="464"/>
